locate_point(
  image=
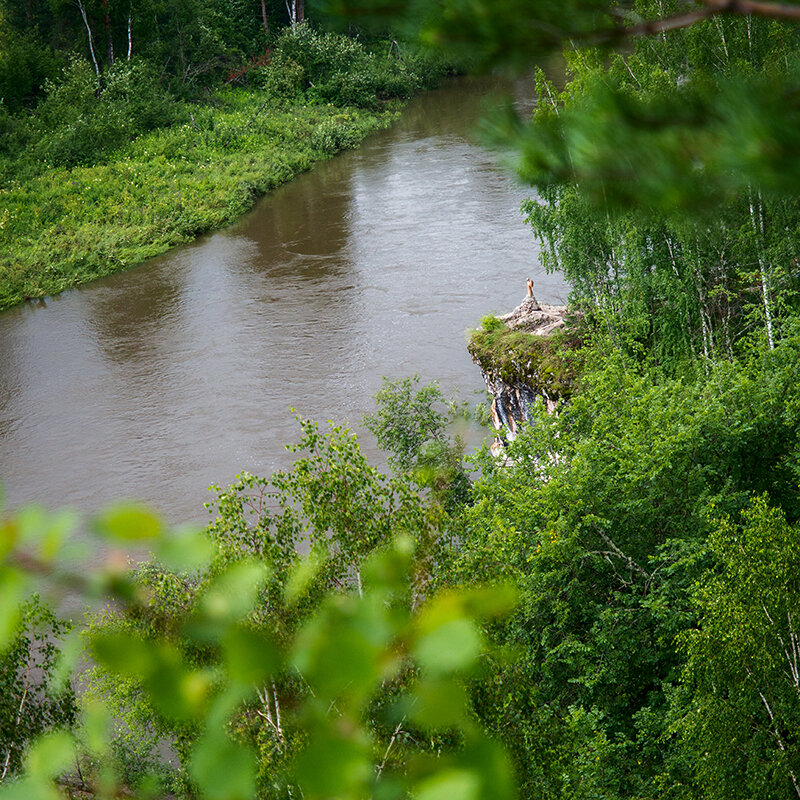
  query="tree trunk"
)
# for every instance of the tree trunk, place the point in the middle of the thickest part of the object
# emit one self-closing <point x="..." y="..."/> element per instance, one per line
<point x="82" y="9"/>
<point x="109" y="37"/>
<point x="705" y="319"/>
<point x="758" y="228"/>
<point x="295" y="8"/>
<point x="264" y="16"/>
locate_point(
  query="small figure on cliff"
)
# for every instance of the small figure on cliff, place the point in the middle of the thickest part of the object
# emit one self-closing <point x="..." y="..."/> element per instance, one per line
<point x="530" y="288"/>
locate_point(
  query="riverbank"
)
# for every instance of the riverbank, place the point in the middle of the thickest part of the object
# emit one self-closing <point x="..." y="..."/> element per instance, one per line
<point x="109" y="170"/>
<point x="66" y="226"/>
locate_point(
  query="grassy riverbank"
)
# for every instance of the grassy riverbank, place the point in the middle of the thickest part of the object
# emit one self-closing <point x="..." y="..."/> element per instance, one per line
<point x="97" y="183"/>
<point x="66" y="226"/>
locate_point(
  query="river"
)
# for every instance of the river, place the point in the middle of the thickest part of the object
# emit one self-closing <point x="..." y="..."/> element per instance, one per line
<point x="159" y="381"/>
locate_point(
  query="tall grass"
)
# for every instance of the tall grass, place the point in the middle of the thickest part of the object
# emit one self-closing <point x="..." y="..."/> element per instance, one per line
<point x="67" y="225"/>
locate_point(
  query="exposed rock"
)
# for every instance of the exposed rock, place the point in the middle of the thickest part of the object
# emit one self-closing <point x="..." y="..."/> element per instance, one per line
<point x="536" y="318"/>
<point x="515" y="386"/>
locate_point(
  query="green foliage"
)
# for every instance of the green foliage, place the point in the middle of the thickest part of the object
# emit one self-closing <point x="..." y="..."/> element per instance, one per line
<point x="650" y="527"/>
<point x="75" y="124"/>
<point x="24" y="66"/>
<point x="321" y="55"/>
<point x="331" y="504"/>
<point x="338" y="69"/>
<point x="334" y="134"/>
<point x="13" y="133"/>
<point x="163" y="189"/>
<point x="740" y="716"/>
<point x="679" y="287"/>
<point x="347" y="672"/>
<point x="191" y="44"/>
<point x="109" y="170"/>
<point x="626" y="132"/>
<point x="412" y="424"/>
<point x="599" y="515"/>
<point x="407" y="418"/>
<point x="283" y="78"/>
<point x="358" y="690"/>
<point x="489" y="33"/>
<point x="490" y="324"/>
<point x="31" y="699"/>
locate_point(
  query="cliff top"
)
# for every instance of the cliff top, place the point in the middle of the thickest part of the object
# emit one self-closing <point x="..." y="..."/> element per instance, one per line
<point x="526" y="348"/>
<point x="538" y="319"/>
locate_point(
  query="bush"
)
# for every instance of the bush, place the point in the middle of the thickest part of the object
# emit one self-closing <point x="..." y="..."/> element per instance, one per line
<point x="283" y="77"/>
<point x="13" y="133"/>
<point x="76" y="124"/>
<point x="334" y="134"/>
<point x="321" y="55"/>
<point x="429" y="68"/>
<point x="337" y="69"/>
<point x="135" y="87"/>
<point x="491" y="323"/>
<point x="356" y="88"/>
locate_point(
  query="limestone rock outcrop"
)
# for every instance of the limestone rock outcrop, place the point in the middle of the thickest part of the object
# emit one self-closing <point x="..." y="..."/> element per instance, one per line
<point x="517" y="370"/>
<point x="538" y="319"/>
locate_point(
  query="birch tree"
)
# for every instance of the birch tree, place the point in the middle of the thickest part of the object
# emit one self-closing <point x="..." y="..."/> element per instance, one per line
<point x="742" y="723"/>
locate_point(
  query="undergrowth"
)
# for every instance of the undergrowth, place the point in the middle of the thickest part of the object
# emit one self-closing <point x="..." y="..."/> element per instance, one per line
<point x="68" y="225"/>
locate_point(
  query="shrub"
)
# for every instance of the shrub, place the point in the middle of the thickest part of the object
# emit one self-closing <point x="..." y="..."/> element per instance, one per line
<point x="337" y="69"/>
<point x="135" y="87"/>
<point x="75" y="124"/>
<point x="14" y="132"/>
<point x="334" y="134"/>
<point x="491" y="323"/>
<point x="283" y="77"/>
<point x="429" y="68"/>
<point x="321" y="55"/>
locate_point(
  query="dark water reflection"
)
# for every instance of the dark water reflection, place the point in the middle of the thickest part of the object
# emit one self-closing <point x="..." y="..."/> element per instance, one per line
<point x="160" y="381"/>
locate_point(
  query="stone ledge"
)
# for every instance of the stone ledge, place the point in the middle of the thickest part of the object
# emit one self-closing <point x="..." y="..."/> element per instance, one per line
<point x="536" y="318"/>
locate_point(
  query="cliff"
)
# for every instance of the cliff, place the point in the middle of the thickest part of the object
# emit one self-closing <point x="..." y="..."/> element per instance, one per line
<point x="522" y="357"/>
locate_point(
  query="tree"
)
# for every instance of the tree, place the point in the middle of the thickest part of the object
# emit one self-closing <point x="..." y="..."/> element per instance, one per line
<point x="32" y="702"/>
<point x="412" y="424"/>
<point x="372" y="661"/>
<point x="741" y="718"/>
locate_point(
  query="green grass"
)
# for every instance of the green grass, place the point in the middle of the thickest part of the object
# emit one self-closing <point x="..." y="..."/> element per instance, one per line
<point x="60" y="227"/>
<point x="541" y="362"/>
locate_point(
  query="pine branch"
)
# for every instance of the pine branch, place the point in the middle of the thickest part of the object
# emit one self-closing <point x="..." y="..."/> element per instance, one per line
<point x="753" y="8"/>
<point x="711" y="8"/>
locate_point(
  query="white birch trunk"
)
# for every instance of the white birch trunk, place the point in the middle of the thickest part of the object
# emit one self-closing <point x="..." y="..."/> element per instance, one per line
<point x="82" y="9"/>
<point x="758" y="229"/>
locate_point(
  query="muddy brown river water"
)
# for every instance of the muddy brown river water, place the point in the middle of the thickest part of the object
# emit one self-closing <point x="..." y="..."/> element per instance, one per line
<point x="156" y="382"/>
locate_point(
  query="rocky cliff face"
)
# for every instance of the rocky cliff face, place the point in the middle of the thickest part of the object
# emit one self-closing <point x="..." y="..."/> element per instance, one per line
<point x="518" y="364"/>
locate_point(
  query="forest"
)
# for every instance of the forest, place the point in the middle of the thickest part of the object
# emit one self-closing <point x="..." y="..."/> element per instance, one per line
<point x="608" y="610"/>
